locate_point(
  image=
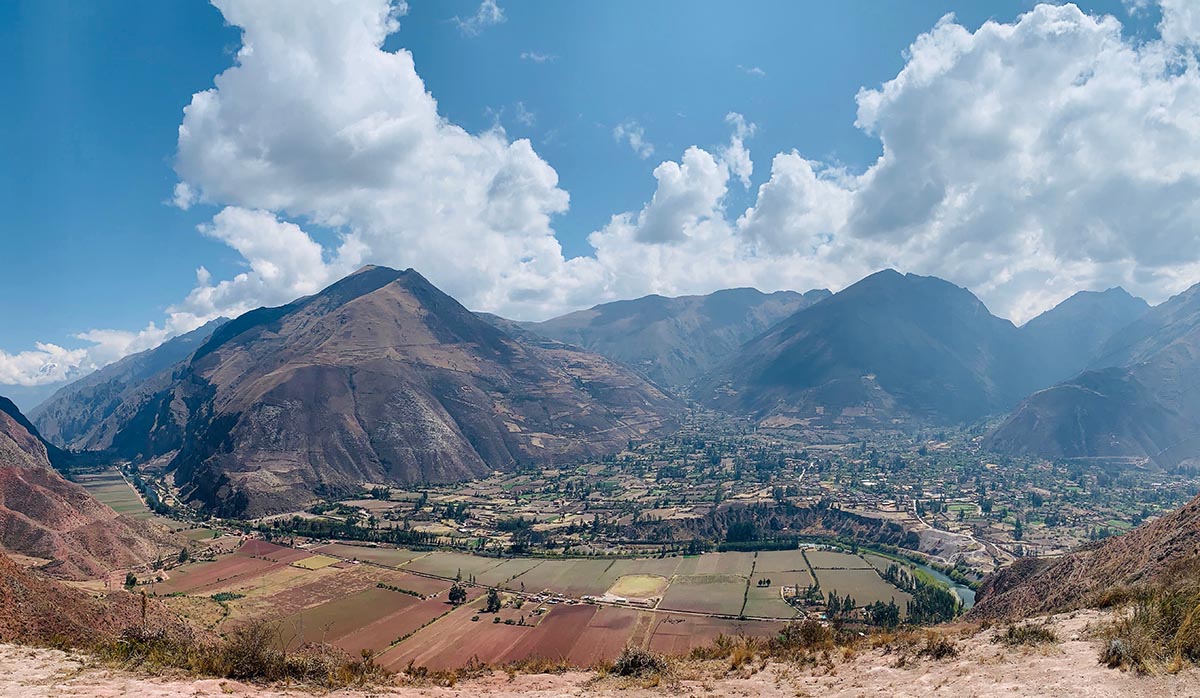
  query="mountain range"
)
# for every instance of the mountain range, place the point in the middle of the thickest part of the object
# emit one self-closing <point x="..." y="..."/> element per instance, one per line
<point x="379" y="378"/>
<point x="1138" y="398"/>
<point x="383" y="378"/>
<point x="83" y="415"/>
<point x="902" y="346"/>
<point x="672" y="341"/>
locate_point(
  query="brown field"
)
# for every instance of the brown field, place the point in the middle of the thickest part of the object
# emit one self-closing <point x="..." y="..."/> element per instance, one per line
<point x="315" y="562"/>
<point x="454" y="640"/>
<point x="556" y="635"/>
<point x="672" y="634"/>
<point x="379" y="635"/>
<point x="498" y="575"/>
<point x="832" y="560"/>
<point x="771" y="561"/>
<point x="706" y="594"/>
<point x="392" y="557"/>
<point x="569" y="577"/>
<point x="604" y="636"/>
<point x="353" y="614"/>
<point x="716" y="563"/>
<point x="201" y="578"/>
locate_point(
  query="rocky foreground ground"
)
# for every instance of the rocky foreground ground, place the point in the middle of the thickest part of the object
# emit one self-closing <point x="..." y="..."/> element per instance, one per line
<point x="982" y="668"/>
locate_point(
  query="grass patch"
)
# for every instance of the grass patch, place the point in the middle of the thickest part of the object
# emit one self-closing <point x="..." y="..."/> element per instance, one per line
<point x="1157" y="627"/>
<point x="1026" y="635"/>
<point x="250" y="653"/>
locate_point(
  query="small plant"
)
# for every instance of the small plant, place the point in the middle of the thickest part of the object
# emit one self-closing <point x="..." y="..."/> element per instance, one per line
<point x="635" y="662"/>
<point x="938" y="647"/>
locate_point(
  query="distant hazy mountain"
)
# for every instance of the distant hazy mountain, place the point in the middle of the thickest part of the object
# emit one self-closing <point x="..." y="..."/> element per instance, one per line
<point x="1142" y="399"/>
<point x="890" y="345"/>
<point x="671" y="341"/>
<point x="1067" y="338"/>
<point x="379" y="378"/>
<point x="82" y="414"/>
<point x="45" y="516"/>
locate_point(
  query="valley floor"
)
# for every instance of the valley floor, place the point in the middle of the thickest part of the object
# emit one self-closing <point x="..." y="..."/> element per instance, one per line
<point x="982" y="670"/>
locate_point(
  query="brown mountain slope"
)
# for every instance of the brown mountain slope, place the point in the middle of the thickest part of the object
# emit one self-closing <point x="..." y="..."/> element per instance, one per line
<point x="1148" y="553"/>
<point x="36" y="609"/>
<point x="379" y="378"/>
<point x="45" y="516"/>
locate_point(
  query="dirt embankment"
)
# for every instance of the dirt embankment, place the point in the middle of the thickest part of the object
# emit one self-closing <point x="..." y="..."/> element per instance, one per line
<point x="982" y="669"/>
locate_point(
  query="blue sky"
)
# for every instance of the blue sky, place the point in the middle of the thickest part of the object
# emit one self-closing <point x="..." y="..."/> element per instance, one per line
<point x="93" y="240"/>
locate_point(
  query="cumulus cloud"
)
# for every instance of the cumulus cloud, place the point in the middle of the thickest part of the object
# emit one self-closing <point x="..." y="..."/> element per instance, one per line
<point x="1025" y="160"/>
<point x="631" y="132"/>
<point x="753" y="70"/>
<point x="489" y="13"/>
<point x="735" y="155"/>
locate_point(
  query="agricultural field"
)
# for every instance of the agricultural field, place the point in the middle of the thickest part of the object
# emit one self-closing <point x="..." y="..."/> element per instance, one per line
<point x="395" y="603"/>
<point x="834" y="560"/>
<point x="111" y="488"/>
<point x="864" y="585"/>
<point x="721" y="594"/>
<point x="389" y="557"/>
<point x="639" y="586"/>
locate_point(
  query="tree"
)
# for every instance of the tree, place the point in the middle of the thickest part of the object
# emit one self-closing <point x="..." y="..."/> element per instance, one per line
<point x="493" y="601"/>
<point x="183" y="555"/>
<point x="130" y="580"/>
<point x="457" y="595"/>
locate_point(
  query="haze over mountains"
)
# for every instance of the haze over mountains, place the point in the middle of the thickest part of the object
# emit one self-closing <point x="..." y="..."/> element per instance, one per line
<point x="906" y="346"/>
<point x="1139" y="399"/>
<point x="672" y="341"/>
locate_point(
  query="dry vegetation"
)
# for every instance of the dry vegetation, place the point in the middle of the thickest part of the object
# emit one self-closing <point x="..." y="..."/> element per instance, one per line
<point x="250" y="653"/>
<point x="1157" y="625"/>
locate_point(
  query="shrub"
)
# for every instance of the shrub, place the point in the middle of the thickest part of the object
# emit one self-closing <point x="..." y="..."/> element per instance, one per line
<point x="636" y="662"/>
<point x="1026" y="634"/>
<point x="938" y="647"/>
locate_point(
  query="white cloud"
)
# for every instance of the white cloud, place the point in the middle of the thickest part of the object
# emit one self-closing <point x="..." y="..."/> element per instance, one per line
<point x="488" y="14"/>
<point x="735" y="154"/>
<point x="1180" y="24"/>
<point x="537" y="57"/>
<point x="632" y="133"/>
<point x="283" y="262"/>
<point x="1025" y="160"/>
<point x="524" y="116"/>
<point x="753" y="70"/>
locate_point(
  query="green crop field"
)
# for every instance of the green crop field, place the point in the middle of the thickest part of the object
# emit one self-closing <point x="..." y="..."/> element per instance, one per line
<point x="111" y="489"/>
